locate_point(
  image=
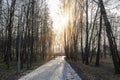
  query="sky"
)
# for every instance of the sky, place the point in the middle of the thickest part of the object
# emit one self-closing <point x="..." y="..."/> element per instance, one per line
<point x="112" y="4"/>
<point x="54" y="7"/>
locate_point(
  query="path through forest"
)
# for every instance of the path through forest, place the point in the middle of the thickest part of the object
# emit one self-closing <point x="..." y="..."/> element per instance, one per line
<point x="57" y="69"/>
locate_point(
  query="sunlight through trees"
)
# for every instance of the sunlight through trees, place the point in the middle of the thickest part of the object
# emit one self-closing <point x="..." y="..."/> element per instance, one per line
<point x="36" y="31"/>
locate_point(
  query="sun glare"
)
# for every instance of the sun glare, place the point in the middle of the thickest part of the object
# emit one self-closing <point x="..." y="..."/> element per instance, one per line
<point x="60" y="23"/>
<point x="59" y="19"/>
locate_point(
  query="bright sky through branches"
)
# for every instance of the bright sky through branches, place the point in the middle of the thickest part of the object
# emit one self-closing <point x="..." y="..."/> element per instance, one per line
<point x="59" y="20"/>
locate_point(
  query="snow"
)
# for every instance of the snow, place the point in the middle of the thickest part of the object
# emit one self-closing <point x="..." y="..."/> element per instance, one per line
<point x="57" y="69"/>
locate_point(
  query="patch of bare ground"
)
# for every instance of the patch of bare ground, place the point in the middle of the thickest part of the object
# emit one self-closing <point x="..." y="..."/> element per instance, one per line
<point x="89" y="72"/>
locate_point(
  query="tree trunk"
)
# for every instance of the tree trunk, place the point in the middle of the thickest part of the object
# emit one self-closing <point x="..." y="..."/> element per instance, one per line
<point x="111" y="39"/>
<point x="9" y="29"/>
<point x="104" y="46"/>
<point x="99" y="45"/>
<point x="87" y="36"/>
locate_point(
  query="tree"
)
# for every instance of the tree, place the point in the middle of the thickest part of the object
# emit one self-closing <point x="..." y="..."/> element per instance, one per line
<point x="9" y="30"/>
<point x="111" y="39"/>
<point x="99" y="44"/>
<point x="87" y="36"/>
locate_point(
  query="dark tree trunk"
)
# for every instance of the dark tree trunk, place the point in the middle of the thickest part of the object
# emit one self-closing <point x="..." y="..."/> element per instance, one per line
<point x="87" y="36"/>
<point x="111" y="39"/>
<point x="104" y="46"/>
<point x="82" y="55"/>
<point x="9" y="29"/>
<point x="99" y="45"/>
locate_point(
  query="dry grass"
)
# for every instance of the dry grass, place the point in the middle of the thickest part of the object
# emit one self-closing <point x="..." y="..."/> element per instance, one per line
<point x="89" y="72"/>
<point x="11" y="73"/>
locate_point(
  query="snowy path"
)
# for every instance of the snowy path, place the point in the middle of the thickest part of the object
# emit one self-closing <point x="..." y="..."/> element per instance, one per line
<point x="57" y="69"/>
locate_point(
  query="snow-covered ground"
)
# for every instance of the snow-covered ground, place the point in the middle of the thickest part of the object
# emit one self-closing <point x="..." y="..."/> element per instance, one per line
<point x="57" y="69"/>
